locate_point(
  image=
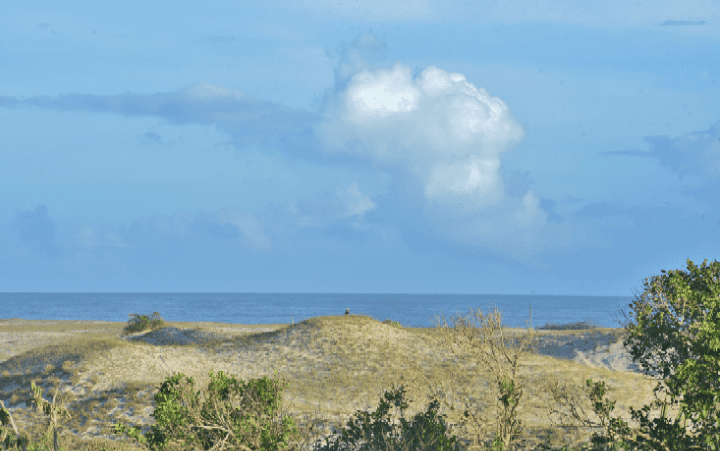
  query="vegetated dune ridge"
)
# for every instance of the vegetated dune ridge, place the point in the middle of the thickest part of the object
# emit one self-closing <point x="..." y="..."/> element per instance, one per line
<point x="335" y="365"/>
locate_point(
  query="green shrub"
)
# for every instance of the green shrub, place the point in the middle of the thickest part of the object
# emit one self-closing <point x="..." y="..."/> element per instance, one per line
<point x="427" y="431"/>
<point x="139" y="323"/>
<point x="253" y="425"/>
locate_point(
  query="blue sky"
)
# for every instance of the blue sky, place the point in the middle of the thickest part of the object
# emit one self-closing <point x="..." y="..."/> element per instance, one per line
<point x="496" y="147"/>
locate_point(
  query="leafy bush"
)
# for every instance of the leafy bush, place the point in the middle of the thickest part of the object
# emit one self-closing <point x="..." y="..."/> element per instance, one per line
<point x="216" y="424"/>
<point x="427" y="431"/>
<point x="139" y="323"/>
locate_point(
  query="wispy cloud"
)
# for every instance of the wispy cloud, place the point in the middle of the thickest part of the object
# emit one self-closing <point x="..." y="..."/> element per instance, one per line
<point x="694" y="154"/>
<point x="247" y="224"/>
<point x="248" y="120"/>
<point x="356" y="202"/>
<point x="159" y="235"/>
<point x="226" y="228"/>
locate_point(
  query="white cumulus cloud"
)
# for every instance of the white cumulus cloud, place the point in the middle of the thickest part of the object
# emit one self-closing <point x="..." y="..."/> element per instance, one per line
<point x="448" y="136"/>
<point x="436" y="115"/>
<point x="441" y="127"/>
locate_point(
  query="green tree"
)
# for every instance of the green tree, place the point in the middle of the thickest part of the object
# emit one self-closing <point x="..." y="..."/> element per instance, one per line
<point x="677" y="335"/>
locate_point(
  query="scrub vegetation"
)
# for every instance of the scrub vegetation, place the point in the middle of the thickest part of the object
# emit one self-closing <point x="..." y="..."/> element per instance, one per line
<point x="475" y="384"/>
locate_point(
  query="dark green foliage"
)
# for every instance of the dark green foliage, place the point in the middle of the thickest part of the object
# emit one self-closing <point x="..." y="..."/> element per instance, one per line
<point x="217" y="422"/>
<point x="372" y="431"/>
<point x="692" y="329"/>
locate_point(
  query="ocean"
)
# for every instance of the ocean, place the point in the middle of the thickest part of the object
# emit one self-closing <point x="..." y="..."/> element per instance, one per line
<point x="410" y="310"/>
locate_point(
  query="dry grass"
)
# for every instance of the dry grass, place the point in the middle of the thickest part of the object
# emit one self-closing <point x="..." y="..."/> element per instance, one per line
<point x="335" y="365"/>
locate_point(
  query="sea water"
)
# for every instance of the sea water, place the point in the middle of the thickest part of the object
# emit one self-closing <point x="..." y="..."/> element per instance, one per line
<point x="410" y="310"/>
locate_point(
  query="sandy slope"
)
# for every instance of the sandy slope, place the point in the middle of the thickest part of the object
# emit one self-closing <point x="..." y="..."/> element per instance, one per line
<point x="160" y="353"/>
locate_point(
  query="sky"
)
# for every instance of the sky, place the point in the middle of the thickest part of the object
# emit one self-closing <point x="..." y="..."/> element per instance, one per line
<point x="357" y="146"/>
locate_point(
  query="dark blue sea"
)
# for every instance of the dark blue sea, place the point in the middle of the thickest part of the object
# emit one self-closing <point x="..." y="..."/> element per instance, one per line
<point x="410" y="310"/>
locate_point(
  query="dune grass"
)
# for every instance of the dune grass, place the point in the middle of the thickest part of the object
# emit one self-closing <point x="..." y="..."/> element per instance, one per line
<point x="335" y="366"/>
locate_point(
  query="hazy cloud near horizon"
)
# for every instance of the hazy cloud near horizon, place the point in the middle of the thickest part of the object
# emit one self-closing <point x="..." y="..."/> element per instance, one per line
<point x="499" y="163"/>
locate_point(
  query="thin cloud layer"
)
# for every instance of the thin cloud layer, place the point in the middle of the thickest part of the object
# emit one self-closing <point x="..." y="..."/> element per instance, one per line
<point x="691" y="154"/>
<point x="228" y="227"/>
<point x="696" y="153"/>
<point x="248" y="120"/>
